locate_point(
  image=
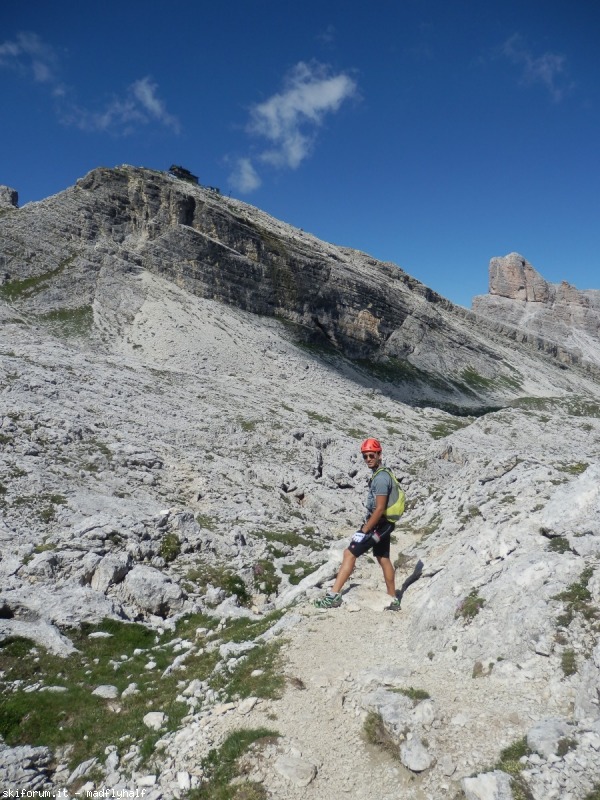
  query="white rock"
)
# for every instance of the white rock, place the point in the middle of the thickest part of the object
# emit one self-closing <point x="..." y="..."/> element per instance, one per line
<point x="415" y="756"/>
<point x="488" y="786"/>
<point x="184" y="781"/>
<point x="106" y="691"/>
<point x="155" y="720"/>
<point x="298" y="771"/>
<point x="246" y="705"/>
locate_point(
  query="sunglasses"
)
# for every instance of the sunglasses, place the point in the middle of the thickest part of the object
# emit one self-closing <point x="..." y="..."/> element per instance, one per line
<point x="370" y="455"/>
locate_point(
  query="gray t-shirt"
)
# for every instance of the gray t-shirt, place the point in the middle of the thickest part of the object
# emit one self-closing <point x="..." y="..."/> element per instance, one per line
<point x="381" y="483"/>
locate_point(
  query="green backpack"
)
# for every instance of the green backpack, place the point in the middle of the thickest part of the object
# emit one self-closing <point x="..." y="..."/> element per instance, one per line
<point x="395" y="510"/>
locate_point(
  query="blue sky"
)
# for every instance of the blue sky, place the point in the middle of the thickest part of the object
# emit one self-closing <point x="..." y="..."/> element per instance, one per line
<point x="432" y="133"/>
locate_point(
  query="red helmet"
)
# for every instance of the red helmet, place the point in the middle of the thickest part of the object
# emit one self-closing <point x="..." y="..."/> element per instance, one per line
<point x="370" y="446"/>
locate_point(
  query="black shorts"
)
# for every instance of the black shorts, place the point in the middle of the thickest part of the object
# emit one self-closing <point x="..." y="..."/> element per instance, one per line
<point x="381" y="549"/>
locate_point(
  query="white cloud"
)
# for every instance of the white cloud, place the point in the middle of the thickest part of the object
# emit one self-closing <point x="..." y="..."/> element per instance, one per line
<point x="144" y="91"/>
<point x="138" y="105"/>
<point x="244" y="177"/>
<point x="291" y="118"/>
<point x="30" y="56"/>
<point x="547" y="69"/>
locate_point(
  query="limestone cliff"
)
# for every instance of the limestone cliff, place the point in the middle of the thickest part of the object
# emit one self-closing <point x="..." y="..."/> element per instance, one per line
<point x="89" y="246"/>
<point x="560" y="313"/>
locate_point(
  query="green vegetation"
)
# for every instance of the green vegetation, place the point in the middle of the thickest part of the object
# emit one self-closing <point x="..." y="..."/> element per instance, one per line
<point x="559" y="544"/>
<point x="471" y="513"/>
<point x="510" y="763"/>
<point x="576" y="406"/>
<point x="318" y="417"/>
<point x="424" y="530"/>
<point x="69" y="321"/>
<point x="568" y="662"/>
<point x="291" y="539"/>
<point x="88" y="723"/>
<point x="395" y="370"/>
<point x="265" y="577"/>
<point x="565" y="745"/>
<point x="470" y="606"/>
<point x="594" y="794"/>
<point x="578" y="600"/>
<point x="221" y="766"/>
<point x="17" y="289"/>
<point x="44" y="505"/>
<point x="206" y="521"/>
<point x="413" y="694"/>
<point x="240" y="683"/>
<point x="204" y="574"/>
<point x="376" y="733"/>
<point x="443" y="429"/>
<point x="170" y="547"/>
<point x="298" y="571"/>
<point x="573" y="469"/>
<point x="247" y="425"/>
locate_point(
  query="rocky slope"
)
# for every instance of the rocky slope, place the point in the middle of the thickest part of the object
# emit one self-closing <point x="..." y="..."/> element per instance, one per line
<point x="560" y="313"/>
<point x="173" y="459"/>
<point x="113" y="225"/>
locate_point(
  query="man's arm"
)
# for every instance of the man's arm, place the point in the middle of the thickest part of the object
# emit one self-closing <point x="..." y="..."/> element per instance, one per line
<point x="380" y="507"/>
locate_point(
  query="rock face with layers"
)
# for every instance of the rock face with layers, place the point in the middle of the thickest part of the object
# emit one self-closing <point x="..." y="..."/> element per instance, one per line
<point x="86" y="248"/>
<point x="560" y="313"/>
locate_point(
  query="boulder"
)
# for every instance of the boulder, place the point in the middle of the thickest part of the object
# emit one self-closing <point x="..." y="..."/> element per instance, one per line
<point x="488" y="786"/>
<point x="152" y="592"/>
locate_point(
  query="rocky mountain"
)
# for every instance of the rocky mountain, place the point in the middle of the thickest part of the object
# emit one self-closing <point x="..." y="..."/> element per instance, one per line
<point x="560" y="313"/>
<point x="184" y="385"/>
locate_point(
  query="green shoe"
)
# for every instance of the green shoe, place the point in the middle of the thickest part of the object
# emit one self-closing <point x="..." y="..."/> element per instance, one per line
<point x="329" y="601"/>
<point x="394" y="605"/>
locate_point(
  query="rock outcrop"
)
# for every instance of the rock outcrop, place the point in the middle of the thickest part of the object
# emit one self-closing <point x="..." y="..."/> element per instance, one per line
<point x="85" y="250"/>
<point x="9" y="198"/>
<point x="560" y="313"/>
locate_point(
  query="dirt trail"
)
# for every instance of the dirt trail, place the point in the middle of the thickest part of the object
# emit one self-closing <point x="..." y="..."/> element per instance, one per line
<point x="329" y="656"/>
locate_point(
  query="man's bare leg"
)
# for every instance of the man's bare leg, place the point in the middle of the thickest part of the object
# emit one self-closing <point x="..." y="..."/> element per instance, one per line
<point x="389" y="575"/>
<point x="344" y="572"/>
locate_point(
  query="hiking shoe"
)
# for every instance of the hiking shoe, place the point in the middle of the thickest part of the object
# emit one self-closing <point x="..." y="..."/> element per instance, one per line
<point x="329" y="601"/>
<point x="393" y="606"/>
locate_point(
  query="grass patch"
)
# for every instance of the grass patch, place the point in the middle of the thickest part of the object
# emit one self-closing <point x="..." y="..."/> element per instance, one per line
<point x="44" y="505"/>
<point x="594" y="794"/>
<point x="376" y="733"/>
<point x="416" y="695"/>
<point x="394" y="370"/>
<point x="568" y="663"/>
<point x="88" y="723"/>
<point x="425" y="530"/>
<point x="265" y="577"/>
<point x="559" y="544"/>
<point x="76" y="717"/>
<point x="470" y="606"/>
<point x="292" y="539"/>
<point x="240" y="682"/>
<point x="510" y="763"/>
<point x="573" y="469"/>
<point x="18" y="289"/>
<point x="170" y="547"/>
<point x="221" y="766"/>
<point x="204" y="575"/>
<point x="69" y="321"/>
<point x="577" y="598"/>
<point x="318" y="417"/>
<point x="206" y="521"/>
<point x="298" y="571"/>
<point x="443" y="429"/>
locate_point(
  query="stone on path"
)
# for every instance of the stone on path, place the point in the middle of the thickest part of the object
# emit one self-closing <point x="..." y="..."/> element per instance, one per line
<point x="297" y="770"/>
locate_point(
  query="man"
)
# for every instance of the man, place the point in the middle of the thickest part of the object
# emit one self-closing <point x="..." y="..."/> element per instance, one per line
<point x="384" y="496"/>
